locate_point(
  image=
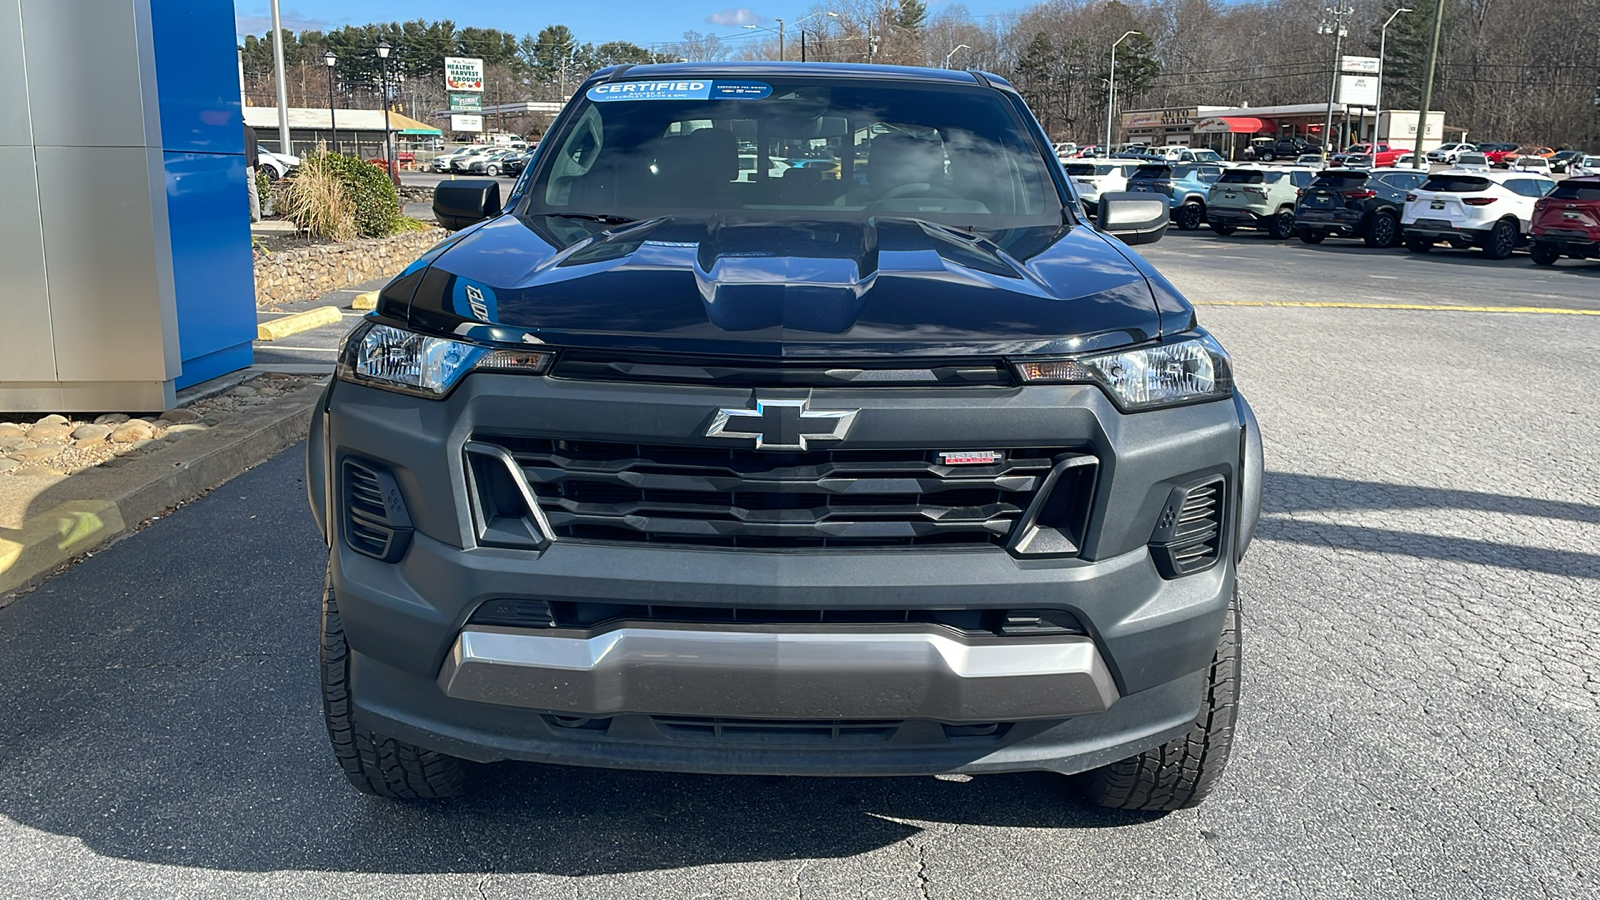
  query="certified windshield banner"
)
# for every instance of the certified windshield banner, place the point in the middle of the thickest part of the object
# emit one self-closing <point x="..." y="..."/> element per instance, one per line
<point x="679" y="90"/>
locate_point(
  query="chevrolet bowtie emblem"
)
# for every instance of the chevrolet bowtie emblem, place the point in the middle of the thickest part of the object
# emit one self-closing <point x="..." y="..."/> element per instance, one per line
<point x="782" y="424"/>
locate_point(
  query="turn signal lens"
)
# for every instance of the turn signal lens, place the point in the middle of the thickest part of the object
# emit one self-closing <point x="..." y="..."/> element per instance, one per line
<point x="1479" y="201"/>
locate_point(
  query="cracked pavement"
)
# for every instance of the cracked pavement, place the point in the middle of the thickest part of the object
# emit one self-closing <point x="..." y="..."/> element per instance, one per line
<point x="1421" y="690"/>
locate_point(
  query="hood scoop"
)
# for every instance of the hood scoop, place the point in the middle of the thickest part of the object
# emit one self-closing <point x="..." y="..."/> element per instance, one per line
<point x="800" y="275"/>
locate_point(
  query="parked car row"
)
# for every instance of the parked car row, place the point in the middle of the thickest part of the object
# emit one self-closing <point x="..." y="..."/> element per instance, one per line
<point x="1496" y="212"/>
<point x="484" y="159"/>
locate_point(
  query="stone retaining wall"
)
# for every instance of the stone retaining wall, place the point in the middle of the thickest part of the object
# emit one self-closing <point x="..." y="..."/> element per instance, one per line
<point x="414" y="194"/>
<point x="309" y="272"/>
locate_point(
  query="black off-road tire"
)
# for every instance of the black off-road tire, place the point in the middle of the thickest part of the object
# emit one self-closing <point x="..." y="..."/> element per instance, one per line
<point x="1223" y="229"/>
<point x="377" y="765"/>
<point x="1180" y="773"/>
<point x="1501" y="240"/>
<point x="1544" y="254"/>
<point x="1383" y="232"/>
<point x="1308" y="236"/>
<point x="1189" y="216"/>
<point x="1281" y="226"/>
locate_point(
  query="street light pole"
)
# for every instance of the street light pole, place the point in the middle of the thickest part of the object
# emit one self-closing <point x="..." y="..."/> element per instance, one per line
<point x="953" y="52"/>
<point x="1337" y="29"/>
<point x="1383" y="38"/>
<point x="1111" y="88"/>
<point x="1427" y="80"/>
<point x="283" y="84"/>
<point x="333" y="123"/>
<point x="388" y="133"/>
<point x="780" y="39"/>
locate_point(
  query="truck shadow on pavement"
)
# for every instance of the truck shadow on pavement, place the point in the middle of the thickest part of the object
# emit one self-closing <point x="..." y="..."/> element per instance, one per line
<point x="159" y="703"/>
<point x="1287" y="497"/>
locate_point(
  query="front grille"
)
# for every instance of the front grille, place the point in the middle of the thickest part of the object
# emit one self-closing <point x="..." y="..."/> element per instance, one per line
<point x="761" y="731"/>
<point x="530" y="613"/>
<point x="702" y="496"/>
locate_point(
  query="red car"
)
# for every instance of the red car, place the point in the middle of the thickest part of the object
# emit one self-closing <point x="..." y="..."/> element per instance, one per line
<point x="1501" y="154"/>
<point x="1383" y="155"/>
<point x="1566" y="222"/>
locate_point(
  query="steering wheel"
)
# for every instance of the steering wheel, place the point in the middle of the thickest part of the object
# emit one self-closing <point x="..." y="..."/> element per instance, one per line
<point x="919" y="189"/>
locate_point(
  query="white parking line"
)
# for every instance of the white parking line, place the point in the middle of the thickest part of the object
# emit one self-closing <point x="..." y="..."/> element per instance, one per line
<point x="307" y="349"/>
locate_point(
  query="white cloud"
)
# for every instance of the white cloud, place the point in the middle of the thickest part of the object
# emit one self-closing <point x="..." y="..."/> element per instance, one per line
<point x="732" y="17"/>
<point x="292" y="20"/>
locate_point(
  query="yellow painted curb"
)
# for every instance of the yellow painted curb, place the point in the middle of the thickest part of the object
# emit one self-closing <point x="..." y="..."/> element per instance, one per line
<point x="51" y="538"/>
<point x="1433" y="307"/>
<point x="369" y="300"/>
<point x="294" y="324"/>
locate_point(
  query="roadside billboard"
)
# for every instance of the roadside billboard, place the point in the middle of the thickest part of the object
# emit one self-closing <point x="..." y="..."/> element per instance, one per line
<point x="1360" y="65"/>
<point x="463" y="74"/>
<point x="1358" y="90"/>
<point x="461" y="122"/>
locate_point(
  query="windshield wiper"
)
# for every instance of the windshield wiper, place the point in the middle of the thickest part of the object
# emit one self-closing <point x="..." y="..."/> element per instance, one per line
<point x="602" y="218"/>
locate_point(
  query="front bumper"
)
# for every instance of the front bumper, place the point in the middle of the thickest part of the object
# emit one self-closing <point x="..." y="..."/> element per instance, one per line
<point x="778" y="673"/>
<point x="419" y="672"/>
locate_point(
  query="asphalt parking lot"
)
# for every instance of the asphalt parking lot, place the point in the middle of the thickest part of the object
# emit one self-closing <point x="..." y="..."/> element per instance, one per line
<point x="1421" y="695"/>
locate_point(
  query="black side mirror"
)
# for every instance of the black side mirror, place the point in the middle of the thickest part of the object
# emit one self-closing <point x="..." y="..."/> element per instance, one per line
<point x="457" y="204"/>
<point x="1134" y="217"/>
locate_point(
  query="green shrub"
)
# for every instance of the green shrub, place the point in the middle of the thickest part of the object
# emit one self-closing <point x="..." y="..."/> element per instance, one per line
<point x="340" y="197"/>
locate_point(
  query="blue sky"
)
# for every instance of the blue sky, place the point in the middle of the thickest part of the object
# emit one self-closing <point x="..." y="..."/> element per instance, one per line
<point x="627" y="20"/>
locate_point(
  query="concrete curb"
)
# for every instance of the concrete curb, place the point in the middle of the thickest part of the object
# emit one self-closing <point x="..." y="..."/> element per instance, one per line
<point x="295" y="323"/>
<point x="110" y="504"/>
<point x="369" y="300"/>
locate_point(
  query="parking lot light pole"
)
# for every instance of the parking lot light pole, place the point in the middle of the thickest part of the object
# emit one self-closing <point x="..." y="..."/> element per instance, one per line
<point x="388" y="135"/>
<point x="284" y="145"/>
<point x="958" y="48"/>
<point x="1335" y="27"/>
<point x="1383" y="38"/>
<point x="1111" y="87"/>
<point x="333" y="123"/>
<point x="803" y="31"/>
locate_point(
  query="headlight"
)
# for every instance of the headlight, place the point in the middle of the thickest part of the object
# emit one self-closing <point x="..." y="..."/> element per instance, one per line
<point x="1183" y="371"/>
<point x="394" y="359"/>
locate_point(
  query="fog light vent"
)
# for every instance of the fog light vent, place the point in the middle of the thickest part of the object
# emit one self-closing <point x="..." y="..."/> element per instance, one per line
<point x="376" y="523"/>
<point x="1188" y="536"/>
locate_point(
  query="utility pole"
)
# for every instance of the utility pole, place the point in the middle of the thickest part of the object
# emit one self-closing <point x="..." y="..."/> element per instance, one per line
<point x="1427" y="79"/>
<point x="1335" y="27"/>
<point x="780" y="39"/>
<point x="283" y="87"/>
<point x="1111" y="88"/>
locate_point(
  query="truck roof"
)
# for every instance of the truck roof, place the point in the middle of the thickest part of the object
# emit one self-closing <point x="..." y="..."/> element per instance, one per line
<point x="756" y="69"/>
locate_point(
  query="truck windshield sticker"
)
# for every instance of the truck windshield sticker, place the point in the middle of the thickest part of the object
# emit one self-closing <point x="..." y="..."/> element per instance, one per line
<point x="679" y="90"/>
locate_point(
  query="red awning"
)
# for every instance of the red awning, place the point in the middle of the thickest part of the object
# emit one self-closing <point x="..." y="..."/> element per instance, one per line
<point x="1229" y="125"/>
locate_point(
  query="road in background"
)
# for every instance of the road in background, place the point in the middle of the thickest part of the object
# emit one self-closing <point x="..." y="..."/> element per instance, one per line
<point x="1420" y="692"/>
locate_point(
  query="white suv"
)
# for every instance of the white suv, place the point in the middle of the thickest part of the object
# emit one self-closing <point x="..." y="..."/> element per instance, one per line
<point x="1091" y="179"/>
<point x="1449" y="153"/>
<point x="1468" y="208"/>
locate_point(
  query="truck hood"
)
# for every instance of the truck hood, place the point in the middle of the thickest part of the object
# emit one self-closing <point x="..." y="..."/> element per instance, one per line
<point x="883" y="287"/>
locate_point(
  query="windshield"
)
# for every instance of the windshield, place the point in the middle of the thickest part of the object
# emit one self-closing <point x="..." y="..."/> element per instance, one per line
<point x="796" y="147"/>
